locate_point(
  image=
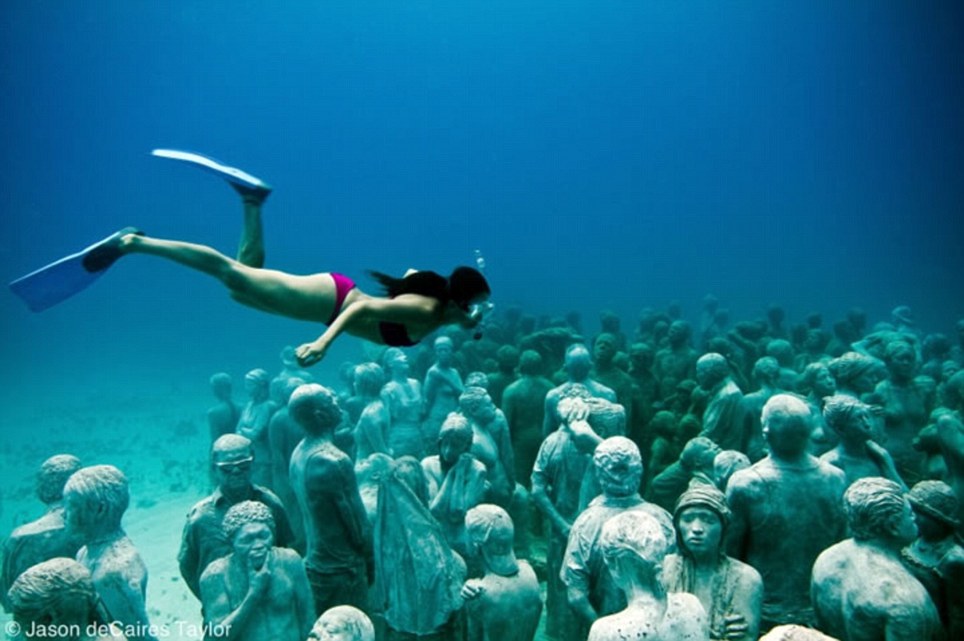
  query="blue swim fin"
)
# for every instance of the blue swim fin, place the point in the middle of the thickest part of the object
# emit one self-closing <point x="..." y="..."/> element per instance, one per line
<point x="62" y="279"/>
<point x="243" y="182"/>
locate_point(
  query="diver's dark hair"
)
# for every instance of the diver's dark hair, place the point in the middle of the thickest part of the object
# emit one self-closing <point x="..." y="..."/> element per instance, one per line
<point x="463" y="285"/>
<point x="466" y="284"/>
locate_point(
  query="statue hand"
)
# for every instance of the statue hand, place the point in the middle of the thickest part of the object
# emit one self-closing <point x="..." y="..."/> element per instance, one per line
<point x="734" y="627"/>
<point x="258" y="581"/>
<point x="877" y="452"/>
<point x="311" y="353"/>
<point x="471" y="589"/>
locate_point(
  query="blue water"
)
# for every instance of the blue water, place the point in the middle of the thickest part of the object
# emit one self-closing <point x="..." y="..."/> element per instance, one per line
<point x="616" y="154"/>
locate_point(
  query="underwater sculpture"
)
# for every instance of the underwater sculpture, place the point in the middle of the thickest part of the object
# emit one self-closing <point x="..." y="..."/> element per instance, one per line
<point x="507" y="365"/>
<point x="861" y="590"/>
<point x="372" y="428"/>
<point x="633" y="546"/>
<point x="411" y="308"/>
<point x="723" y="418"/>
<point x="817" y="383"/>
<point x="524" y="407"/>
<point x="557" y="479"/>
<point x="258" y="591"/>
<point x="456" y="480"/>
<point x="491" y="444"/>
<point x="283" y="437"/>
<point x="95" y="499"/>
<point x="857" y="454"/>
<point x="58" y="594"/>
<point x="402" y="397"/>
<point x="343" y="623"/>
<point x="786" y="510"/>
<point x="590" y="588"/>
<point x="730" y="591"/>
<point x="46" y="537"/>
<point x="504" y="604"/>
<point x="935" y="557"/>
<point x="253" y="423"/>
<point x="203" y="540"/>
<point x="577" y="366"/>
<point x="442" y="388"/>
<point x="906" y="403"/>
<point x="676" y="361"/>
<point x="223" y="416"/>
<point x="606" y="372"/>
<point x="766" y="375"/>
<point x="418" y="576"/>
<point x="338" y="559"/>
<point x="695" y="466"/>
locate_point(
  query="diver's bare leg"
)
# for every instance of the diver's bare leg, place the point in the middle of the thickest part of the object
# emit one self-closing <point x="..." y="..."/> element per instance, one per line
<point x="251" y="247"/>
<point x="308" y="297"/>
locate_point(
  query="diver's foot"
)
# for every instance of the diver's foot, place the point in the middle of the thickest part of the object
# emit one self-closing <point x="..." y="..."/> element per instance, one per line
<point x="252" y="195"/>
<point x="106" y="252"/>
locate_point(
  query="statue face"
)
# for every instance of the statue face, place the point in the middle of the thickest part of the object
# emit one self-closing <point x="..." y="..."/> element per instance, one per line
<point x="860" y="424"/>
<point x="824" y="383"/>
<point x="451" y="446"/>
<point x="253" y="541"/>
<point x="903" y="363"/>
<point x="330" y="630"/>
<point x="233" y="469"/>
<point x="78" y="514"/>
<point x="906" y="530"/>
<point x="443" y="352"/>
<point x="929" y="528"/>
<point x="700" y="530"/>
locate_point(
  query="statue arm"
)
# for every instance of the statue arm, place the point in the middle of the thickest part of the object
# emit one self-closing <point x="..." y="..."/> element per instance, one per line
<point x="576" y="577"/>
<point x="122" y="595"/>
<point x="541" y="498"/>
<point x="216" y="605"/>
<point x="188" y="559"/>
<point x="506" y="455"/>
<point x="304" y="602"/>
<point x="550" y="422"/>
<point x="736" y="497"/>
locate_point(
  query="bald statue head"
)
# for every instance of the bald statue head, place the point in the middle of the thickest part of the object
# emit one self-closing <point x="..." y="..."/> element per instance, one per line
<point x="58" y="592"/>
<point x="711" y="370"/>
<point x="315" y="409"/>
<point x="786" y="426"/>
<point x="53" y="475"/>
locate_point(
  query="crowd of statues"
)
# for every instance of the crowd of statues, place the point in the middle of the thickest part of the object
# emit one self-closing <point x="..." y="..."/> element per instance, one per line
<point x="726" y="483"/>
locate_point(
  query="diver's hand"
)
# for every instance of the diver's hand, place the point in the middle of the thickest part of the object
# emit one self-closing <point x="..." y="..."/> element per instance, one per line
<point x="311" y="353"/>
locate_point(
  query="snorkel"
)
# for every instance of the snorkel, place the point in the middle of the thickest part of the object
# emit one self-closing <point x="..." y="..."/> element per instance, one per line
<point x="479" y="312"/>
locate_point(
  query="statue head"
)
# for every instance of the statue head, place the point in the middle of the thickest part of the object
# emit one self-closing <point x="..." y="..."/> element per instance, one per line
<point x="935" y="509"/>
<point x="530" y="363"/>
<point x="848" y="416"/>
<point x="766" y="371"/>
<point x="257" y="383"/>
<point x="315" y="409"/>
<point x="454" y="438"/>
<point x="444" y="350"/>
<point x="477" y="379"/>
<point x="395" y="361"/>
<point x="489" y="529"/>
<point x="698" y="455"/>
<point x="368" y="379"/>
<point x="250" y="527"/>
<point x="679" y="333"/>
<point x="641" y="356"/>
<point x="57" y="592"/>
<point x="776" y="315"/>
<point x="619" y="467"/>
<point x="95" y="499"/>
<point x="726" y="464"/>
<point x="877" y="510"/>
<point x="53" y="475"/>
<point x="786" y="425"/>
<point x="816" y="378"/>
<point x="232" y="457"/>
<point x="901" y="359"/>
<point x="781" y="350"/>
<point x="578" y="362"/>
<point x="633" y="547"/>
<point x="343" y="623"/>
<point x="711" y="370"/>
<point x="508" y="358"/>
<point x="701" y="518"/>
<point x="221" y="386"/>
<point x="289" y="360"/>
<point x="605" y="348"/>
<point x="902" y="315"/>
<point x="855" y="371"/>
<point x="477" y="405"/>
